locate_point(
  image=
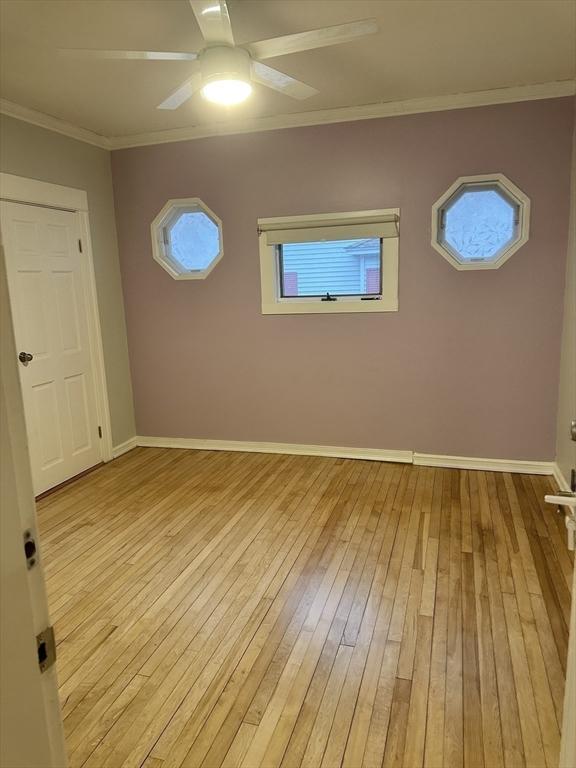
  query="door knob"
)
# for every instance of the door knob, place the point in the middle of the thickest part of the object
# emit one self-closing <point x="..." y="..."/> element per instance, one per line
<point x="25" y="357"/>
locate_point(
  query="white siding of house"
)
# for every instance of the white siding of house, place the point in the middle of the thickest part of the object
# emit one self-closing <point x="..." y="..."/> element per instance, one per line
<point x="335" y="268"/>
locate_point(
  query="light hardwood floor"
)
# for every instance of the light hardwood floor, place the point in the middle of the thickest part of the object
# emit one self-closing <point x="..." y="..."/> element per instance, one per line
<point x="229" y="609"/>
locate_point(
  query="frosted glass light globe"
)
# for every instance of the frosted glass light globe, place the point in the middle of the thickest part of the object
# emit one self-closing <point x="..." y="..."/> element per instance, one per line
<point x="226" y="92"/>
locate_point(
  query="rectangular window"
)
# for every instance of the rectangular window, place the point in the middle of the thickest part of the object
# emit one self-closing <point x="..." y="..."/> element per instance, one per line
<point x="330" y="268"/>
<point x="345" y="262"/>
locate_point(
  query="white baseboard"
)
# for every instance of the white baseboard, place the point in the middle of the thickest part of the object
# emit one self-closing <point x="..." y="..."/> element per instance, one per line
<point x="127" y="445"/>
<point x="488" y="465"/>
<point x="370" y="454"/>
<point x="563" y="483"/>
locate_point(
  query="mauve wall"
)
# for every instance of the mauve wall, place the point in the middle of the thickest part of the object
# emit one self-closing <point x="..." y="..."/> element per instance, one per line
<point x="468" y="366"/>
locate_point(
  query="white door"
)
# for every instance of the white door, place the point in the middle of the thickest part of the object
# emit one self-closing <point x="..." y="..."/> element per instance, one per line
<point x="31" y="734"/>
<point x="47" y="281"/>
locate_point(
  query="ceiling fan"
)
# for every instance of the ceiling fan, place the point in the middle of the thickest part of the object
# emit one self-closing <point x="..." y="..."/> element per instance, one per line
<point x="223" y="71"/>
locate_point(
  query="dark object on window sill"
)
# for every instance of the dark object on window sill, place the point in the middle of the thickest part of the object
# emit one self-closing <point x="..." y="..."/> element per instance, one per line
<point x="328" y="298"/>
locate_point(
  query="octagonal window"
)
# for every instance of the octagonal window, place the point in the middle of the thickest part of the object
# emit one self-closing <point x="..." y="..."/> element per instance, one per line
<point x="480" y="221"/>
<point x="187" y="239"/>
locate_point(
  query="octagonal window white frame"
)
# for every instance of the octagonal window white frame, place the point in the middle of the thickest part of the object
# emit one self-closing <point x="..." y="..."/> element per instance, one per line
<point x="510" y="191"/>
<point x="160" y="239"/>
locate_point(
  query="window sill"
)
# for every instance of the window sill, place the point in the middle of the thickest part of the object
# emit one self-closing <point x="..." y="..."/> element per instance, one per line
<point x="327" y="307"/>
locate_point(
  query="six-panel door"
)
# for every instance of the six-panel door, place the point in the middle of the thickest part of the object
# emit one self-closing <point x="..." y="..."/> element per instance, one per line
<point x="47" y="284"/>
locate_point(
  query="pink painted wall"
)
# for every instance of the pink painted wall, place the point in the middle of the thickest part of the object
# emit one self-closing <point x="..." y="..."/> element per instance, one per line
<point x="468" y="366"/>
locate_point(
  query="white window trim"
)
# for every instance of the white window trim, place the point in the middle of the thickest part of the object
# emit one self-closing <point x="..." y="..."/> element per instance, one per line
<point x="273" y="304"/>
<point x="507" y="186"/>
<point x="159" y="246"/>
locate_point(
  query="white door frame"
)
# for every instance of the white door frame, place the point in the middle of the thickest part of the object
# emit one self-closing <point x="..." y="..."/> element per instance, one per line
<point x="18" y="189"/>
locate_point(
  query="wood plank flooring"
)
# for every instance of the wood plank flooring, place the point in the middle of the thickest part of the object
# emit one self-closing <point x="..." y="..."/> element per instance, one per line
<point x="245" y="610"/>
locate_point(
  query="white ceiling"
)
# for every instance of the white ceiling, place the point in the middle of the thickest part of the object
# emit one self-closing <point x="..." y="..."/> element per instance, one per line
<point x="425" y="48"/>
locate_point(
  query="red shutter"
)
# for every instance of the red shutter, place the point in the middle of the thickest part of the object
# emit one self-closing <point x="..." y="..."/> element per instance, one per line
<point x="290" y="283"/>
<point x="373" y="280"/>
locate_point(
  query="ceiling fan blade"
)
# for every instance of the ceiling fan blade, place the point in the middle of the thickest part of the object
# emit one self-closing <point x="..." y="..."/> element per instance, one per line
<point x="214" y="20"/>
<point x="278" y="81"/>
<point x="89" y="53"/>
<point x="182" y="93"/>
<point x="314" y="38"/>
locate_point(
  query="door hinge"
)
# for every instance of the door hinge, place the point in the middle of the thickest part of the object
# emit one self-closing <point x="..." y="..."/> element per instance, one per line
<point x="100" y="432"/>
<point x="80" y="245"/>
<point x="46" y="647"/>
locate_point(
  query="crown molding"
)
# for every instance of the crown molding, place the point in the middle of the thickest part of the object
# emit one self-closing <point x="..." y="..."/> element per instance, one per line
<point x="42" y="120"/>
<point x="551" y="90"/>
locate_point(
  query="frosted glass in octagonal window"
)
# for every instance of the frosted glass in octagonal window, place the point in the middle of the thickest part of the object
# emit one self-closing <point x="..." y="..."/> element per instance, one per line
<point x="479" y="223"/>
<point x="193" y="240"/>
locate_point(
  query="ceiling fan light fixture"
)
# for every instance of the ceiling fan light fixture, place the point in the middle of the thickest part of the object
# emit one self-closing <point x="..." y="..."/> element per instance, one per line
<point x="226" y="92"/>
<point x="223" y="71"/>
<point x="226" y="78"/>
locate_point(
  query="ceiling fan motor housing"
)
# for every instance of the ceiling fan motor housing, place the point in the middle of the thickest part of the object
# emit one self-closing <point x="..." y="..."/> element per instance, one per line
<point x="222" y="62"/>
